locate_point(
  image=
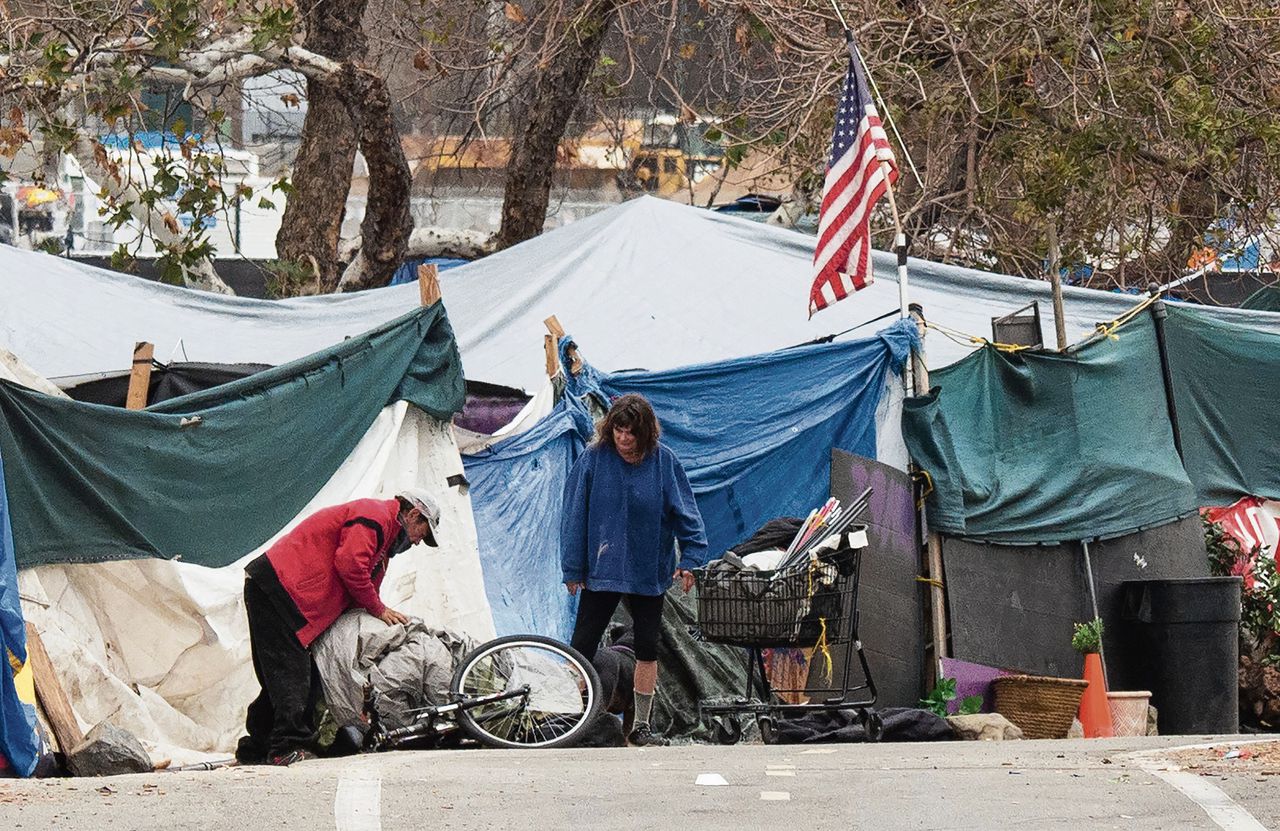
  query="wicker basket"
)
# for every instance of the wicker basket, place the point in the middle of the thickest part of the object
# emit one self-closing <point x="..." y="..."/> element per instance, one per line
<point x="1043" y="707"/>
<point x="1129" y="712"/>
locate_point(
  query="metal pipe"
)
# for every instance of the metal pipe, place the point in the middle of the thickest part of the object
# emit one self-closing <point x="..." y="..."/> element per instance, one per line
<point x="1093" y="599"/>
<point x="1159" y="313"/>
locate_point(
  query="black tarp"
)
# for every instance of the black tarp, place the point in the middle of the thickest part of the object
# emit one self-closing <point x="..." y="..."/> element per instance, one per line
<point x="1013" y="606"/>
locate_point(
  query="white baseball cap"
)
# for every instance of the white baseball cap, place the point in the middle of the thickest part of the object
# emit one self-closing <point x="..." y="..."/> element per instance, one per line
<point x="426" y="504"/>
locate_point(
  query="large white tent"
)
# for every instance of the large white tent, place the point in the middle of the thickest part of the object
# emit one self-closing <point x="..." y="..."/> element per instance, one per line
<point x="648" y="283"/>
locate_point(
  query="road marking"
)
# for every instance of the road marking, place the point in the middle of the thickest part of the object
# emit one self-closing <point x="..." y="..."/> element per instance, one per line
<point x="1226" y="813"/>
<point x="775" y="796"/>
<point x="779" y="773"/>
<point x="357" y="806"/>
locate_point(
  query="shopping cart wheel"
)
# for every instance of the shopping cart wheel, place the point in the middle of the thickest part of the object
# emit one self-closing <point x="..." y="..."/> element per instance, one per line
<point x="767" y="733"/>
<point x="872" y="724"/>
<point x="726" y="729"/>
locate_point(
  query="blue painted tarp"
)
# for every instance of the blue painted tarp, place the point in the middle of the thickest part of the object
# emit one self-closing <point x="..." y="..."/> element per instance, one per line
<point x="754" y="434"/>
<point x="17" y="719"/>
<point x="517" y="488"/>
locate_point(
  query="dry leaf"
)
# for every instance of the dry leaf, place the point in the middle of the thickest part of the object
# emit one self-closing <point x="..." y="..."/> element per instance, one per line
<point x="514" y="13"/>
<point x="688" y="50"/>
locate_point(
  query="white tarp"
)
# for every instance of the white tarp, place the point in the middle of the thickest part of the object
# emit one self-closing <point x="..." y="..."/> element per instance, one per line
<point x="161" y="648"/>
<point x="648" y="283"/>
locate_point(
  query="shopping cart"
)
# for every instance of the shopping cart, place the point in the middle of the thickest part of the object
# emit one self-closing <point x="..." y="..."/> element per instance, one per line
<point x="812" y="605"/>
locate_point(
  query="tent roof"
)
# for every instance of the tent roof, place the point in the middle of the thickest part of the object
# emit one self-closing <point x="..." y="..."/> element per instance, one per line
<point x="648" y="283"/>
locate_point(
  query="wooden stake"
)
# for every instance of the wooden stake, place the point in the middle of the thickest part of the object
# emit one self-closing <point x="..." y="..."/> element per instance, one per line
<point x="52" y="697"/>
<point x="557" y="332"/>
<point x="140" y="376"/>
<point x="429" y="283"/>
<point x="553" y="360"/>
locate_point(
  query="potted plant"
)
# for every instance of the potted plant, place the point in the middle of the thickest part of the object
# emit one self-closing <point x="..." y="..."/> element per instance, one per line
<point x="1095" y="712"/>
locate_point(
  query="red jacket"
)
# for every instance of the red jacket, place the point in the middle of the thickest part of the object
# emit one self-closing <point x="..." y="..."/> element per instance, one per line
<point x="335" y="559"/>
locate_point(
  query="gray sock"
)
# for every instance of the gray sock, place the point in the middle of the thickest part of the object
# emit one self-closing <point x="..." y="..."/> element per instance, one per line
<point x="644" y="705"/>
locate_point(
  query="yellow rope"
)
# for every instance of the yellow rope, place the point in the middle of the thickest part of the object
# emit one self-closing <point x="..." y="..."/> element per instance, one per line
<point x="932" y="581"/>
<point x="1107" y="330"/>
<point x="928" y="482"/>
<point x="822" y="648"/>
<point x="1103" y="330"/>
<point x="973" y="340"/>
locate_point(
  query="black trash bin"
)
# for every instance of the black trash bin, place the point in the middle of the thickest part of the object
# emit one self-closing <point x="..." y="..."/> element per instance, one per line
<point x="1184" y="636"/>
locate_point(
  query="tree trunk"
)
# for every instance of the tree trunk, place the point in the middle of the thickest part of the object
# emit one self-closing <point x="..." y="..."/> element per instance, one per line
<point x="387" y="223"/>
<point x="312" y="224"/>
<point x="556" y="89"/>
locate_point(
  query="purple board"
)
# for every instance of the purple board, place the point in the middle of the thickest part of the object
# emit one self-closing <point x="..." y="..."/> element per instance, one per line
<point x="890" y="599"/>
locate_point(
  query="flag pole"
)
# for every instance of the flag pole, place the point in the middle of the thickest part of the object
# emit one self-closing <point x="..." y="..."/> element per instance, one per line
<point x="916" y="374"/>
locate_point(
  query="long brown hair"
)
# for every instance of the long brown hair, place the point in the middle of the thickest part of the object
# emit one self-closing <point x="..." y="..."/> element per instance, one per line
<point x="631" y="412"/>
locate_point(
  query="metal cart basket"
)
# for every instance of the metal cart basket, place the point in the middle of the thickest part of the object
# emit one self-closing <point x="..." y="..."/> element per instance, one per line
<point x="813" y="605"/>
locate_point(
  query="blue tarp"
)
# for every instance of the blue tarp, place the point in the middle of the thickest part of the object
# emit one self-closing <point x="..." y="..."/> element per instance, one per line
<point x="17" y="720"/>
<point x="407" y="271"/>
<point x="755" y="435"/>
<point x="517" y="488"/>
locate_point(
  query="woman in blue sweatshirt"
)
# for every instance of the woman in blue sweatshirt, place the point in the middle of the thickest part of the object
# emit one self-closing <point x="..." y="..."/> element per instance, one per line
<point x="626" y="504"/>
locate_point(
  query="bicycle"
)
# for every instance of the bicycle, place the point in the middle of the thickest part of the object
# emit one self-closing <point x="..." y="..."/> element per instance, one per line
<point x="518" y="691"/>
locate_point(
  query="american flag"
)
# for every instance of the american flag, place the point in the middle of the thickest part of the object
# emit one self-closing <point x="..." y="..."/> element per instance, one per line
<point x="855" y="182"/>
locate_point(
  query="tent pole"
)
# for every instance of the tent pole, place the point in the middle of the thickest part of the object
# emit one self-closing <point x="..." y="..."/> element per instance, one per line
<point x="1093" y="600"/>
<point x="1159" y="313"/>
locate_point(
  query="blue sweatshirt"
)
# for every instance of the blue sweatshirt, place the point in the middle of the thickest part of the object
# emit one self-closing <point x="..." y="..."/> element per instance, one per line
<point x="621" y="522"/>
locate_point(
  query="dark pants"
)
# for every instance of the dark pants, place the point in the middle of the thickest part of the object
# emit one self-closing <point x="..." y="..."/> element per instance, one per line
<point x="595" y="610"/>
<point x="280" y="718"/>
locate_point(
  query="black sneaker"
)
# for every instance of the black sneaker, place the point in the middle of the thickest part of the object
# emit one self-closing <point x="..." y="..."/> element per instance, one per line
<point x="286" y="759"/>
<point x="643" y="736"/>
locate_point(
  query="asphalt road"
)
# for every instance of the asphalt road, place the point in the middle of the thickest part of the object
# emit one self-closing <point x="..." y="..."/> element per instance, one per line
<point x="959" y="785"/>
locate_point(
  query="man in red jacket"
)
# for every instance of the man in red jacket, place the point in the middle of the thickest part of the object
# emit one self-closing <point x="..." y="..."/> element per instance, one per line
<point x="333" y="560"/>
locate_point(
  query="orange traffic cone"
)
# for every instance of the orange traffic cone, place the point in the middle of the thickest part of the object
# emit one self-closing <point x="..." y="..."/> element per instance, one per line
<point x="1095" y="713"/>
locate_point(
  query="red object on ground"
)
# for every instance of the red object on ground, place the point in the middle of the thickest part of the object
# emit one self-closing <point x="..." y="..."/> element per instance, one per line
<point x="1095" y="713"/>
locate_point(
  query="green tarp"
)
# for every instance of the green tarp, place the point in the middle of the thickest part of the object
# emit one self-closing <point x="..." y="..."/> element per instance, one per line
<point x="209" y="477"/>
<point x="1226" y="382"/>
<point x="1037" y="447"/>
<point x="1031" y="447"/>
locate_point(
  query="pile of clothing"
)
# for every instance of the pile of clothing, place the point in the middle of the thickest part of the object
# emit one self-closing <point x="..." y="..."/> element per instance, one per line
<point x="410" y="666"/>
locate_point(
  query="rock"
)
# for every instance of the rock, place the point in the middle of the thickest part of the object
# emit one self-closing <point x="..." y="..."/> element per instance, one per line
<point x="1076" y="731"/>
<point x="106" y="751"/>
<point x="987" y="727"/>
<point x="1153" y="721"/>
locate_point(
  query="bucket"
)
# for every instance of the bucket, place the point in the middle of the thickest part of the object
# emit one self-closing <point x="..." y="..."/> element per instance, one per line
<point x="1129" y="712"/>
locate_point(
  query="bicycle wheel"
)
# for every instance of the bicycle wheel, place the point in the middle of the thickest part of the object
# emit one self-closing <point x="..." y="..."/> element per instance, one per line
<point x="563" y="692"/>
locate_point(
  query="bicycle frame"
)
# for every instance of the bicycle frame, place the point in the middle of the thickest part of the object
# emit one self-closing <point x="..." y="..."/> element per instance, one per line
<point x="426" y="719"/>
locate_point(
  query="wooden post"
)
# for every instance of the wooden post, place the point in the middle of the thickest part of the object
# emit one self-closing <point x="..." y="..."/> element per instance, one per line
<point x="553" y="360"/>
<point x="51" y="695"/>
<point x="429" y="283"/>
<point x="557" y="332"/>
<point x="1055" y="282"/>
<point x="140" y="376"/>
<point x="937" y="589"/>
